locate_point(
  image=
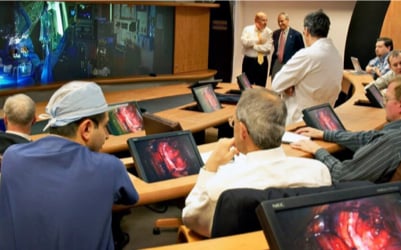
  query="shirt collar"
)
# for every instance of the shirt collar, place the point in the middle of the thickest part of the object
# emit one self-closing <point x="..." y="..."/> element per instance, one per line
<point x="273" y="154"/>
<point x="26" y="136"/>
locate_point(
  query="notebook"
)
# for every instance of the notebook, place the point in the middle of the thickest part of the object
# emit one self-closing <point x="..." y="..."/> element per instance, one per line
<point x="367" y="217"/>
<point x="125" y="118"/>
<point x="322" y="117"/>
<point x="206" y="98"/>
<point x="154" y="124"/>
<point x="165" y="156"/>
<point x="357" y="66"/>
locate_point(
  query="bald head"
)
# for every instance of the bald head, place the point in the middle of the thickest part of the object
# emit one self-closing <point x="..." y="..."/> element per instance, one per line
<point x="260" y="20"/>
<point x="19" y="111"/>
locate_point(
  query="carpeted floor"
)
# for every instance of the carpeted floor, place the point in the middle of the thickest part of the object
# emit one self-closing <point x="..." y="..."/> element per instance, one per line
<point x="139" y="223"/>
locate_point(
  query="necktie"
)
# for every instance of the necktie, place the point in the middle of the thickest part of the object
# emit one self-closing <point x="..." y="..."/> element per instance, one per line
<point x="281" y="45"/>
<point x="260" y="55"/>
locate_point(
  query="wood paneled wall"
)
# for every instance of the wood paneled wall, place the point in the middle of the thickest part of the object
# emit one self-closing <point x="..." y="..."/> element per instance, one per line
<point x="191" y="45"/>
<point x="392" y="23"/>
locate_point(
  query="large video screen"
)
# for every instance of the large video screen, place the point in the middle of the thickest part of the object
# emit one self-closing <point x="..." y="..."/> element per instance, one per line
<point x="50" y="42"/>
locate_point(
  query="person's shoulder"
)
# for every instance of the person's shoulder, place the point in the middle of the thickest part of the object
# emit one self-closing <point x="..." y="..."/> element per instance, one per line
<point x="14" y="137"/>
<point x="308" y="162"/>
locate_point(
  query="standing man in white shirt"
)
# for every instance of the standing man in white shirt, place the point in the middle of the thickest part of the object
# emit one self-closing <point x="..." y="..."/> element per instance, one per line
<point x="258" y="126"/>
<point x="313" y="75"/>
<point x="257" y="44"/>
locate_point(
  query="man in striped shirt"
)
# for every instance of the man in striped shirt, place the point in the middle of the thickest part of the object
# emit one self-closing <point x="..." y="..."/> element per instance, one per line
<point x="376" y="153"/>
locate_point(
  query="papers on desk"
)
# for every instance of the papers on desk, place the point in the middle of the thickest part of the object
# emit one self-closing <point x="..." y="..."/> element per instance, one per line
<point x="290" y="137"/>
<point x="205" y="156"/>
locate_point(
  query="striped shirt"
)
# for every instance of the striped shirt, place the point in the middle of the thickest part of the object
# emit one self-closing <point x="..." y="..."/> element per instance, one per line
<point x="376" y="154"/>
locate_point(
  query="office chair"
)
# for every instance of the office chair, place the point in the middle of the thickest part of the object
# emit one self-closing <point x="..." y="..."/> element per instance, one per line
<point x="235" y="208"/>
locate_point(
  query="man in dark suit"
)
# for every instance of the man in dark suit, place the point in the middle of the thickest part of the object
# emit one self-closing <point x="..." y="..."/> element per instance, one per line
<point x="19" y="116"/>
<point x="291" y="40"/>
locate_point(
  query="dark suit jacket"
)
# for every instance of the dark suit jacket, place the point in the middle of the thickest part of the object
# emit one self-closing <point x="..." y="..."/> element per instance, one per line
<point x="8" y="139"/>
<point x="293" y="43"/>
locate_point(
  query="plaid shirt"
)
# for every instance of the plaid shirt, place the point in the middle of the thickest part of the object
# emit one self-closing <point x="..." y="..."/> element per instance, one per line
<point x="381" y="63"/>
<point x="376" y="154"/>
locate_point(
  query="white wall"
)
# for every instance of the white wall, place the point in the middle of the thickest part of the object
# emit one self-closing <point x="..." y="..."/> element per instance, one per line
<point x="339" y="12"/>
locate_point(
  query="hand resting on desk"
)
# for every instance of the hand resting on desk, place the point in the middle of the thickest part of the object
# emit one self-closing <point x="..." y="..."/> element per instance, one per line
<point x="308" y="145"/>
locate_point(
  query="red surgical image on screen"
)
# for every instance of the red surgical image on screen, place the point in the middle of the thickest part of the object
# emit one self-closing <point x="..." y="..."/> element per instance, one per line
<point x="168" y="160"/>
<point x="129" y="118"/>
<point x="210" y="99"/>
<point x="354" y="225"/>
<point x="326" y="120"/>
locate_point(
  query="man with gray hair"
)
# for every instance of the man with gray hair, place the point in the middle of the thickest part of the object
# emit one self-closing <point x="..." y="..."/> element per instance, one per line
<point x="394" y="60"/>
<point x="19" y="116"/>
<point x="57" y="192"/>
<point x="252" y="159"/>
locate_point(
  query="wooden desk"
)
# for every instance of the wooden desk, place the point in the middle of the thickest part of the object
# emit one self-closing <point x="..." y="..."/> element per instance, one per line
<point x="248" y="241"/>
<point x="355" y="118"/>
<point x="364" y="118"/>
<point x="190" y="120"/>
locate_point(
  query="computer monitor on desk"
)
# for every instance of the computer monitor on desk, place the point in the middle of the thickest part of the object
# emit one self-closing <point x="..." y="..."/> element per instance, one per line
<point x="125" y="118"/>
<point x="165" y="156"/>
<point x="206" y="99"/>
<point x="363" y="217"/>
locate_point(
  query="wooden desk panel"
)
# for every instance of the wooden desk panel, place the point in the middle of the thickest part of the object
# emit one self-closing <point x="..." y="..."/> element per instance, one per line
<point x="248" y="241"/>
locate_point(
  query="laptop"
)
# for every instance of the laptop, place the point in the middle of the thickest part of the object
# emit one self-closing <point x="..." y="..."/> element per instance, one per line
<point x="367" y="217"/>
<point x="125" y="118"/>
<point x="357" y="66"/>
<point x="155" y="124"/>
<point x="322" y="117"/>
<point x="165" y="156"/>
<point x="206" y="98"/>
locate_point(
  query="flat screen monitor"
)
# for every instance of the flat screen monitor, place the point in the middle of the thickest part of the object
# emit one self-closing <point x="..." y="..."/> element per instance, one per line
<point x="322" y="117"/>
<point x="374" y="95"/>
<point x="366" y="217"/>
<point x="206" y="98"/>
<point x="48" y="42"/>
<point x="125" y="118"/>
<point x="243" y="81"/>
<point x="165" y="156"/>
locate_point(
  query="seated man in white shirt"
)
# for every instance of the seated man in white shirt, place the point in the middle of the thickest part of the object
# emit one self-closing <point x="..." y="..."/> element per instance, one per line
<point x="252" y="159"/>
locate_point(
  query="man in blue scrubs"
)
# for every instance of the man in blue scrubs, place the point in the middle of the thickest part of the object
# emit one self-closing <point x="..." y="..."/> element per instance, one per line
<point x="57" y="192"/>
